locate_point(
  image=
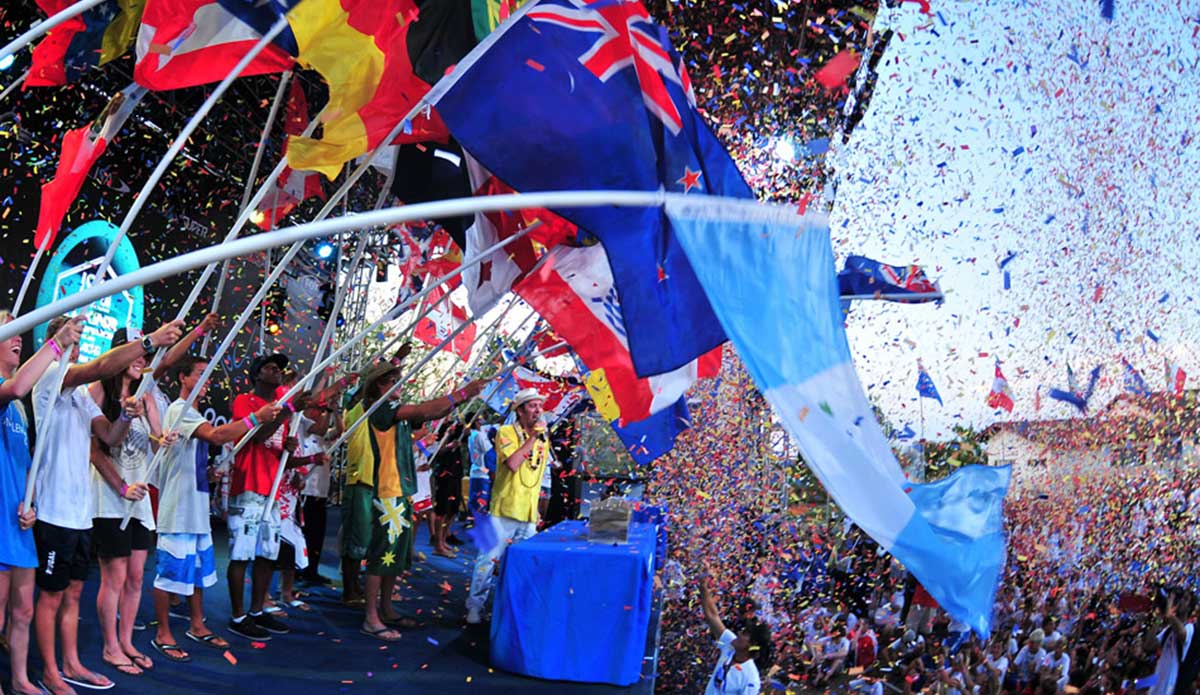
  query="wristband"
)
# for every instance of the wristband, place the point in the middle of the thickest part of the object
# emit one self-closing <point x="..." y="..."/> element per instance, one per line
<point x="254" y="421"/>
<point x="124" y="488"/>
<point x="200" y="332"/>
<point x="450" y="397"/>
<point x="291" y="408"/>
<point x="125" y="417"/>
<point x="248" y="422"/>
<point x="54" y="346"/>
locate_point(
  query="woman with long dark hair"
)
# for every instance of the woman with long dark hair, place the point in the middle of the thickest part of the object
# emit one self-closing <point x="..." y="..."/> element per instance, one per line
<point x="122" y="553"/>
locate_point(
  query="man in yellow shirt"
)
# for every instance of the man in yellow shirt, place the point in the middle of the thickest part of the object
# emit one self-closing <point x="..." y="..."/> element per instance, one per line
<point x="522" y="453"/>
<point x="380" y="484"/>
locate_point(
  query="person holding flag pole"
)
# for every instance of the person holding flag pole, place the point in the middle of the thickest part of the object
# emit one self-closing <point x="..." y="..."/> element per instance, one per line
<point x="380" y="485"/>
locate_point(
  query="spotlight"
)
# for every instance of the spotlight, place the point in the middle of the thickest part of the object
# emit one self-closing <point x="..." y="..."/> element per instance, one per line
<point x="6" y="62"/>
<point x="324" y="250"/>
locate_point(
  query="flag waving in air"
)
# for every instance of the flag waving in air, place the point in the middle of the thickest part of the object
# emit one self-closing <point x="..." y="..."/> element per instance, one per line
<point x="1134" y="383"/>
<point x="379" y="58"/>
<point x="925" y="387"/>
<point x="443" y="320"/>
<point x="1000" y="396"/>
<point x="591" y="96"/>
<point x="769" y="273"/>
<point x="99" y="35"/>
<point x="80" y="150"/>
<point x="293" y="187"/>
<point x="1176" y="378"/>
<point x="865" y="277"/>
<point x="1073" y="394"/>
<point x="184" y="43"/>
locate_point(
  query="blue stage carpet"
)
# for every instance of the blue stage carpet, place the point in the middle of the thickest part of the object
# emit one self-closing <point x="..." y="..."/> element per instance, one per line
<point x="325" y="653"/>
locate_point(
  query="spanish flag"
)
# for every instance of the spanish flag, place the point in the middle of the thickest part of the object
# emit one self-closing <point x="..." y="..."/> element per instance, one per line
<point x="99" y="35"/>
<point x="379" y="57"/>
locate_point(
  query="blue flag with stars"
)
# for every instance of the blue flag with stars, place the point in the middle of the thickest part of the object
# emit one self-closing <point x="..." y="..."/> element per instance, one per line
<point x="925" y="386"/>
<point x="574" y="95"/>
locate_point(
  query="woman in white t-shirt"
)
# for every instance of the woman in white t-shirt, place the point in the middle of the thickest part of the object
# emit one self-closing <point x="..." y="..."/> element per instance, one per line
<point x="122" y="552"/>
<point x="737" y="669"/>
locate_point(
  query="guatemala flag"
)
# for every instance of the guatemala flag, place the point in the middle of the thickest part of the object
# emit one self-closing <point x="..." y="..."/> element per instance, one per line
<point x="591" y="96"/>
<point x="769" y="275"/>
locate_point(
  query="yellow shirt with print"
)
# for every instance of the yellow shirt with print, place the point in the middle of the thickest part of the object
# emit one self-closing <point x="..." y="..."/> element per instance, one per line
<point x="515" y="494"/>
<point x="360" y="460"/>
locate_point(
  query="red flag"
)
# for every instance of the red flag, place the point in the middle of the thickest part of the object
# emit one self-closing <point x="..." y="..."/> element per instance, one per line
<point x="443" y="320"/>
<point x="1000" y="397"/>
<point x="80" y="150"/>
<point x="293" y="187"/>
<point x="1176" y="379"/>
<point x="573" y="290"/>
<point x="496" y="274"/>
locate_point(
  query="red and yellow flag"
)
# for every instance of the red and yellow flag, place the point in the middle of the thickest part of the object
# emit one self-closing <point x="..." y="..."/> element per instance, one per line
<point x="376" y="57"/>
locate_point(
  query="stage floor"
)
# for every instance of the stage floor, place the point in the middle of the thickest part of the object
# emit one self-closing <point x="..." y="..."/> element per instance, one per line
<point x="325" y="653"/>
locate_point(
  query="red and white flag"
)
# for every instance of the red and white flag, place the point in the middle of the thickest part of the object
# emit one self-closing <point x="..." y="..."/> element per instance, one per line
<point x="1000" y="397"/>
<point x="1176" y="378"/>
<point x="80" y="150"/>
<point x="443" y="320"/>
<point x="573" y="290"/>
<point x="489" y="280"/>
<point x="293" y="187"/>
<point x="561" y="395"/>
<point x="184" y="43"/>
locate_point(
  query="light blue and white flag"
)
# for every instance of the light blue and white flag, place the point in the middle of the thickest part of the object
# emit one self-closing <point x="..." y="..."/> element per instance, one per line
<point x="769" y="275"/>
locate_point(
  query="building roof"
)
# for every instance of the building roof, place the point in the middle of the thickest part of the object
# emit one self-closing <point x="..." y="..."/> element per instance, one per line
<point x="1158" y="418"/>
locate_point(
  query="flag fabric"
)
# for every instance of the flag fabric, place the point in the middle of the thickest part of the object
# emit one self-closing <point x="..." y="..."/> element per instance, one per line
<point x="443" y="320"/>
<point x="496" y="274"/>
<point x="769" y="273"/>
<point x="293" y="187"/>
<point x="622" y="117"/>
<point x="1037" y="400"/>
<point x="379" y="58"/>
<point x="574" y="291"/>
<point x="1134" y="383"/>
<point x="98" y="36"/>
<point x="80" y="150"/>
<point x="1000" y="396"/>
<point x="863" y="276"/>
<point x="185" y="43"/>
<point x="925" y="387"/>
<point x="1176" y="378"/>
<point x="489" y="14"/>
<point x="1073" y="394"/>
<point x="648" y="439"/>
<point x="561" y="395"/>
<point x="550" y="344"/>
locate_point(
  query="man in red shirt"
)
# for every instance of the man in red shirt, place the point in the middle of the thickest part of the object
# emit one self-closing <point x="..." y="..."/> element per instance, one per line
<point x="254" y="467"/>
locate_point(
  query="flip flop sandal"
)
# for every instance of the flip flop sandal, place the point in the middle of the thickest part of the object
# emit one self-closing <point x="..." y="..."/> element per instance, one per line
<point x="354" y="602"/>
<point x="209" y="640"/>
<point x="275" y="610"/>
<point x="121" y="668"/>
<point x="299" y="605"/>
<point x="142" y="661"/>
<point x="172" y="651"/>
<point x="88" y="684"/>
<point x="378" y="634"/>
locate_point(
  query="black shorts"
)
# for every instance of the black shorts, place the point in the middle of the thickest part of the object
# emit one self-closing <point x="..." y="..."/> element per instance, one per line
<point x="287" y="556"/>
<point x="110" y="541"/>
<point x="63" y="555"/>
<point x="447" y="489"/>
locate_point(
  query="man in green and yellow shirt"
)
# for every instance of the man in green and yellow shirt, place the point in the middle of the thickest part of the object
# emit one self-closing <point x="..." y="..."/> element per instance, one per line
<point x="522" y="454"/>
<point x="381" y="479"/>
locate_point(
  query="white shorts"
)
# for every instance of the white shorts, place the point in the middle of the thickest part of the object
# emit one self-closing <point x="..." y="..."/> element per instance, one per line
<point x="291" y="533"/>
<point x="249" y="537"/>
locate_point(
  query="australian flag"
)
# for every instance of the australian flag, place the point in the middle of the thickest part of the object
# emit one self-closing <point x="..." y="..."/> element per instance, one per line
<point x="925" y="386"/>
<point x="591" y="96"/>
<point x="864" y="276"/>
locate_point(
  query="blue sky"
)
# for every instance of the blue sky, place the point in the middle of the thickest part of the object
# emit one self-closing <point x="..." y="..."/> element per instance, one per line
<point x="1037" y="128"/>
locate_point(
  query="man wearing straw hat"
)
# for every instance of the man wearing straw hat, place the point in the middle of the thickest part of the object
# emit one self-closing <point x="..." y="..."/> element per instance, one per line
<point x="522" y="453"/>
<point x="381" y="479"/>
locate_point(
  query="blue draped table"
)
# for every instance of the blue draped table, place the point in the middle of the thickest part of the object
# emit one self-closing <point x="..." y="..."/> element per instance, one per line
<point x="566" y="609"/>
